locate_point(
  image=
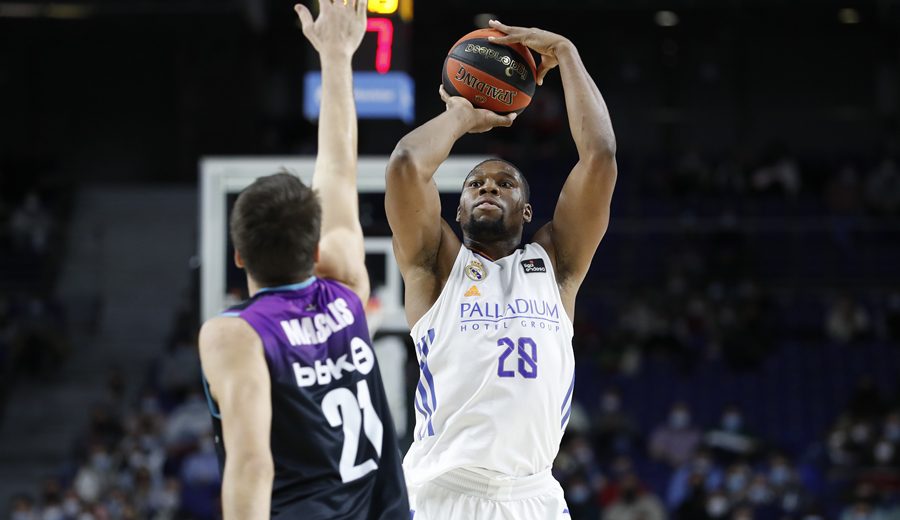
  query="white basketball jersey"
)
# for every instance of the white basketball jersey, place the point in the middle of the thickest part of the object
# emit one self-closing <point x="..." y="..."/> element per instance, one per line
<point x="496" y="369"/>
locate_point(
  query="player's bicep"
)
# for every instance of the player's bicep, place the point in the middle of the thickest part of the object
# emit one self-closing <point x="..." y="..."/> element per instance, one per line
<point x="581" y="217"/>
<point x="413" y="206"/>
<point x="234" y="365"/>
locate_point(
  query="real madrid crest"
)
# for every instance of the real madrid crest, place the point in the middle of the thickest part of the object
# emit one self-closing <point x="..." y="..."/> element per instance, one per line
<point x="476" y="271"/>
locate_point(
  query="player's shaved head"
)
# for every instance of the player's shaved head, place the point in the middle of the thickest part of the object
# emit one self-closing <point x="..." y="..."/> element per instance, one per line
<point x="526" y="189"/>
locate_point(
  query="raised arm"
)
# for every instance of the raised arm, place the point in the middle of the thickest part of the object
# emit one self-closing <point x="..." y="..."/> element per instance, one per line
<point x="423" y="243"/>
<point x="336" y="34"/>
<point x="582" y="212"/>
<point x="235" y="367"/>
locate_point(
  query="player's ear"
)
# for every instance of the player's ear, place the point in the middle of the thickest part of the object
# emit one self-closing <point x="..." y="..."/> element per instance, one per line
<point x="526" y="213"/>
<point x="316" y="255"/>
<point x="238" y="261"/>
<point x="458" y="211"/>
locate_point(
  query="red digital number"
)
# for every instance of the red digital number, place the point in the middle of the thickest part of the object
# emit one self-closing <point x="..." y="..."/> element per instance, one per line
<point x="384" y="30"/>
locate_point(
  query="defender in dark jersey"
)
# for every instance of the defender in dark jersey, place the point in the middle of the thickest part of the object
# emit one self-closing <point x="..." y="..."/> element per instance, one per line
<point x="302" y="422"/>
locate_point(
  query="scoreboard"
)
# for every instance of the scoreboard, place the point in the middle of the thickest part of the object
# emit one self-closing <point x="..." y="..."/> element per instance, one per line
<point x="382" y="85"/>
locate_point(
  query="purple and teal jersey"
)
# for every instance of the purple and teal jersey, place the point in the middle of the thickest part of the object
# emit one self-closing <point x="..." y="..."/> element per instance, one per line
<point x="333" y="442"/>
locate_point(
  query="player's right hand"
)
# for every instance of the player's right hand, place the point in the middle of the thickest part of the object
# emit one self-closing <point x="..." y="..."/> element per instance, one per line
<point x="339" y="29"/>
<point x="481" y="120"/>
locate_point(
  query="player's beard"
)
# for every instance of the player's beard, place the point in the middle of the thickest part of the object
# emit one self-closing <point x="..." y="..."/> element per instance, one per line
<point x="485" y="230"/>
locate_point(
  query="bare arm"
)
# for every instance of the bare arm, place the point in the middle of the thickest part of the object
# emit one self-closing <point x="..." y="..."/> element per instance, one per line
<point x="423" y="242"/>
<point x="582" y="212"/>
<point x="336" y="34"/>
<point x="412" y="199"/>
<point x="234" y="365"/>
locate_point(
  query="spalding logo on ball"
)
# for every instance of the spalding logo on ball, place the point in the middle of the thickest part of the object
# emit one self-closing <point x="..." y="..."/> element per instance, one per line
<point x="498" y="77"/>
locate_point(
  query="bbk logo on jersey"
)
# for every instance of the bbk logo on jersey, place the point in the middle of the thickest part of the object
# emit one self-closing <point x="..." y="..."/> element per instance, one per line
<point x="534" y="265"/>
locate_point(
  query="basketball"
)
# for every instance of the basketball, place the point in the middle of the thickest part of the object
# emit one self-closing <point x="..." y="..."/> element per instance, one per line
<point x="494" y="76"/>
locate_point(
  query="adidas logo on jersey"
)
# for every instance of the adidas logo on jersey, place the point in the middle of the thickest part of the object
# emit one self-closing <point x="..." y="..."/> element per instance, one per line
<point x="534" y="265"/>
<point x="473" y="291"/>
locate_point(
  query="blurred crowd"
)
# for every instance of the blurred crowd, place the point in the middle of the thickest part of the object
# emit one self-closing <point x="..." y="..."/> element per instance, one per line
<point x="151" y="457"/>
<point x="33" y="340"/>
<point x="686" y="471"/>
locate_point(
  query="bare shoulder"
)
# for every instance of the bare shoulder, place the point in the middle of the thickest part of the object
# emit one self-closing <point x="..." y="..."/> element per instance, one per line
<point x="225" y="332"/>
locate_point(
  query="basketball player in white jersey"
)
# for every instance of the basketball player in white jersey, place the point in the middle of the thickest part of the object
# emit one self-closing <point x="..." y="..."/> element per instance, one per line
<point x="492" y="320"/>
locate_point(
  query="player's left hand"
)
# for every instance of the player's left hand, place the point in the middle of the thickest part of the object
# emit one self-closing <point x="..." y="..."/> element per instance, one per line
<point x="545" y="43"/>
<point x="339" y="28"/>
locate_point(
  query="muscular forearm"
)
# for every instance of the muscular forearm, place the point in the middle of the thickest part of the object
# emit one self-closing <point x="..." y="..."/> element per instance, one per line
<point x="589" y="118"/>
<point x="247" y="487"/>
<point x="426" y="147"/>
<point x="337" y="117"/>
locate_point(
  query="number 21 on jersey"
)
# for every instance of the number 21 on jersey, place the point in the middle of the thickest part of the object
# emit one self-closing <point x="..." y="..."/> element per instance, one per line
<point x="354" y="413"/>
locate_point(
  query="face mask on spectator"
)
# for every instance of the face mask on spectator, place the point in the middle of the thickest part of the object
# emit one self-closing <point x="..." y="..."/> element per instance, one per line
<point x="779" y="475"/>
<point x="717" y="506"/>
<point x="732" y="421"/>
<point x="101" y="462"/>
<point x="71" y="507"/>
<point x="679" y="419"/>
<point x="610" y="403"/>
<point x="884" y="452"/>
<point x="702" y="465"/>
<point x="758" y="494"/>
<point x="892" y="431"/>
<point x="860" y="433"/>
<point x="790" y="501"/>
<point x="736" y="482"/>
<point x="579" y="494"/>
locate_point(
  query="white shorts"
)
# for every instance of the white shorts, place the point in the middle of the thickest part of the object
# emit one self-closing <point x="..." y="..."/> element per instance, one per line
<point x="462" y="494"/>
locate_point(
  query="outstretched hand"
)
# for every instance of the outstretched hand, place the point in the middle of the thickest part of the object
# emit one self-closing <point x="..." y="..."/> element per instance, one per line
<point x="481" y="119"/>
<point x="339" y="28"/>
<point x="545" y="43"/>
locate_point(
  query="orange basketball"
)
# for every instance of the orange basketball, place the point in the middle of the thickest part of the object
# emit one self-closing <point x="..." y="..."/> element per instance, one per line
<point x="494" y="76"/>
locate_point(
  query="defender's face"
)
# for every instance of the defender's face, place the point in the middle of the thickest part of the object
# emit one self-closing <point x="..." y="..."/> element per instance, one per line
<point x="493" y="195"/>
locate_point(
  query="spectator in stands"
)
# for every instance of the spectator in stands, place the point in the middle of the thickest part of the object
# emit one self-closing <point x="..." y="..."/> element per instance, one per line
<point x="614" y="430"/>
<point x="634" y="502"/>
<point x="759" y="494"/>
<point x="717" y="505"/>
<point x="700" y="471"/>
<point x="51" y="500"/>
<point x="95" y="475"/>
<point x="779" y="174"/>
<point x="30" y="225"/>
<point x="675" y="441"/>
<point x="847" y="321"/>
<point x="731" y="438"/>
<point x="23" y="508"/>
<point x="867" y="505"/>
<point x="693" y="506"/>
<point x="781" y="473"/>
<point x="737" y="481"/>
<point x="188" y="421"/>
